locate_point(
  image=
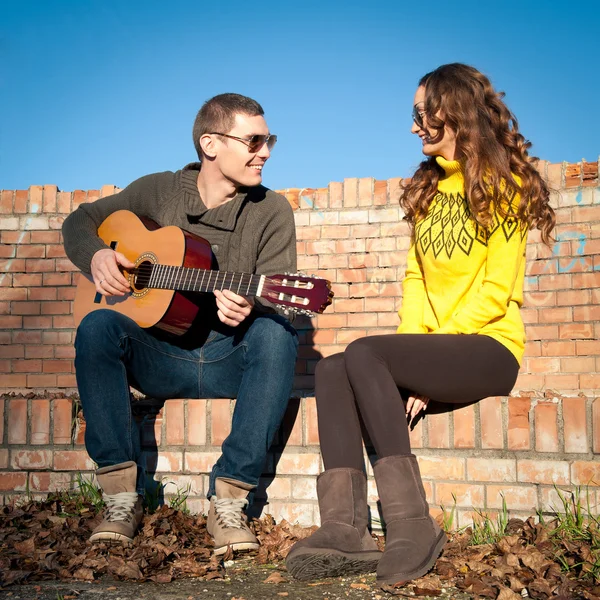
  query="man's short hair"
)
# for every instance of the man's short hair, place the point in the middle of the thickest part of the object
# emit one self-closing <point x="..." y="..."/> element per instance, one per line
<point x="218" y="114"/>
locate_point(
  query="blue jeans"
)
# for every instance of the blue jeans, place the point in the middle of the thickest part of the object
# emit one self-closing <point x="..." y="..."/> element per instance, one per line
<point x="255" y="365"/>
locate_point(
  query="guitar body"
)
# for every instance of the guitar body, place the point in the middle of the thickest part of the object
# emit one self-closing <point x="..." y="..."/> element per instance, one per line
<point x="144" y="242"/>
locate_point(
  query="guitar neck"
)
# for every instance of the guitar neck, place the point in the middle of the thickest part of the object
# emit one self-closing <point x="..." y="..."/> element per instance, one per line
<point x="187" y="279"/>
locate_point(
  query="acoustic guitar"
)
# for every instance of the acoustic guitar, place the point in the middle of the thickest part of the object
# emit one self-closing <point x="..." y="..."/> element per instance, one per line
<point x="171" y="265"/>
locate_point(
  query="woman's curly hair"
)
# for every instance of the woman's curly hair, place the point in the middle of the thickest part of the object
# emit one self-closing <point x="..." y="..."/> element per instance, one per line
<point x="489" y="144"/>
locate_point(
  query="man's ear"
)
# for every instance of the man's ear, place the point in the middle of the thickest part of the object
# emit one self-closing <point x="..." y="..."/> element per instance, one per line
<point x="208" y="145"/>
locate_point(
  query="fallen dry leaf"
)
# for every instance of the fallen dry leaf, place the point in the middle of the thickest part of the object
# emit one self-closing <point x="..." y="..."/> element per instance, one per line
<point x="275" y="577"/>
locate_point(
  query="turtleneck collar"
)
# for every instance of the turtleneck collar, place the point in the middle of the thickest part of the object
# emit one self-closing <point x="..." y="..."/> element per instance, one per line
<point x="453" y="180"/>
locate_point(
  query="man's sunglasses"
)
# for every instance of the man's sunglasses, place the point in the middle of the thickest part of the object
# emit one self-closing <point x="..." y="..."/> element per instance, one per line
<point x="417" y="115"/>
<point x="254" y="143"/>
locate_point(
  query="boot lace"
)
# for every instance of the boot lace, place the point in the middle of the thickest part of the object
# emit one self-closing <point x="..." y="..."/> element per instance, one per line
<point x="229" y="512"/>
<point x="121" y="506"/>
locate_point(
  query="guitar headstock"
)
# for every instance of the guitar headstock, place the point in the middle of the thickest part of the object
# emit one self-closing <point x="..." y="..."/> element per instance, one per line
<point x="297" y="292"/>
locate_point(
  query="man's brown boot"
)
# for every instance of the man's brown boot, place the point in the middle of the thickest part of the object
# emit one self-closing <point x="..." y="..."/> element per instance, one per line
<point x="123" y="511"/>
<point x="343" y="544"/>
<point x="227" y="523"/>
<point x="413" y="539"/>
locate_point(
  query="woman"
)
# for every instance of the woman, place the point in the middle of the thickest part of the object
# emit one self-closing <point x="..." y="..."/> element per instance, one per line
<point x="470" y="203"/>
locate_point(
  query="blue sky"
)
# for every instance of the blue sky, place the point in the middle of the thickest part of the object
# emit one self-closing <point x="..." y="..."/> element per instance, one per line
<point x="101" y="92"/>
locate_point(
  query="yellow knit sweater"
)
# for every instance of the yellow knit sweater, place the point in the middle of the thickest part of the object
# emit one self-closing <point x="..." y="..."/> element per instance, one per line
<point x="461" y="278"/>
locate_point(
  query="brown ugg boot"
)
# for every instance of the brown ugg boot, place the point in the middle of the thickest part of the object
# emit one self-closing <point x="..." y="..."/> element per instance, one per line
<point x="343" y="543"/>
<point x="123" y="511"/>
<point x="413" y="539"/>
<point x="227" y="523"/>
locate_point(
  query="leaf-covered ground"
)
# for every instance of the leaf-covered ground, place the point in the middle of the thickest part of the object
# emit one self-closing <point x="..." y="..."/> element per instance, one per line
<point x="49" y="541"/>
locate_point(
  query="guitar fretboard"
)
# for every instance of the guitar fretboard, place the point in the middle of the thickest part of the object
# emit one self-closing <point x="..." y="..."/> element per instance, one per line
<point x="168" y="277"/>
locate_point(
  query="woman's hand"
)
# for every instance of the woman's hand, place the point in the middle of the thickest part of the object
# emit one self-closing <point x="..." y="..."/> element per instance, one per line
<point x="416" y="403"/>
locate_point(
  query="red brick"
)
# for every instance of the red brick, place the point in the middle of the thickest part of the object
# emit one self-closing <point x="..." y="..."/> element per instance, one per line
<point x="41" y="293"/>
<point x="175" y="422"/>
<point x="467" y="494"/>
<point x="14" y="381"/>
<point x="451" y="468"/>
<point x="40" y="422"/>
<point x="2" y="403"/>
<point x="62" y="413"/>
<point x="518" y="423"/>
<point x="17" y="421"/>
<point x="41" y="381"/>
<point x="546" y="427"/>
<point x="312" y="426"/>
<point x="57" y="366"/>
<point x="490" y="412"/>
<point x="572" y="297"/>
<point x="72" y="460"/>
<point x="516" y="497"/>
<point x="31" y="251"/>
<point x="575" y="331"/>
<point x="7" y="251"/>
<point x="196" y="422"/>
<point x="575" y="424"/>
<point x="26" y="308"/>
<point x="555" y="348"/>
<point x="542" y="332"/>
<point x="556" y="315"/>
<point x="220" y="420"/>
<point x="55" y="251"/>
<point x="21" y="197"/>
<point x="45" y="237"/>
<point x="49" y="198"/>
<point x="12" y="265"/>
<point x="63" y="322"/>
<point x="438" y="430"/>
<point x="200" y="462"/>
<point x="31" y="459"/>
<point x="66" y="381"/>
<point x="27" y="280"/>
<point x="6" y="202"/>
<point x="562" y="382"/>
<point x="66" y="293"/>
<point x="13" y="482"/>
<point x="67" y="352"/>
<point x="52" y="279"/>
<point x="491" y="469"/>
<point x="596" y="426"/>
<point x="64" y="202"/>
<point x="464" y="426"/>
<point x="37" y="322"/>
<point x="578" y="365"/>
<point x="585" y="473"/>
<point x="586" y="313"/>
<point x="49" y="482"/>
<point x="15" y="237"/>
<point x="590" y="381"/>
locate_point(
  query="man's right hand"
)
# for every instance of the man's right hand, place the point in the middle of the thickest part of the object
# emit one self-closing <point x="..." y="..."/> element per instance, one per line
<point x="107" y="276"/>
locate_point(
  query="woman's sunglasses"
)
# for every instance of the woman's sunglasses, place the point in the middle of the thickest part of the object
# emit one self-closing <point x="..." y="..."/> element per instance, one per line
<point x="417" y="115"/>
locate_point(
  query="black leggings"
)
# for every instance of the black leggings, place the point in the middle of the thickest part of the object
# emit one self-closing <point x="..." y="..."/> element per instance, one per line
<point x="365" y="382"/>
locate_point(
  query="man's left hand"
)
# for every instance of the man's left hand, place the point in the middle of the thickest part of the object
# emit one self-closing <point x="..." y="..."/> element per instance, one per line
<point x="232" y="309"/>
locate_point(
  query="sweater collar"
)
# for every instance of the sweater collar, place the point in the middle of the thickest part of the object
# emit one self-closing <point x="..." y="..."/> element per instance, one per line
<point x="453" y="179"/>
<point x="222" y="217"/>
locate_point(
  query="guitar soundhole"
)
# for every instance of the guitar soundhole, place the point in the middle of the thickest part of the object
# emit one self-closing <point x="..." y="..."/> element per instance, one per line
<point x="140" y="278"/>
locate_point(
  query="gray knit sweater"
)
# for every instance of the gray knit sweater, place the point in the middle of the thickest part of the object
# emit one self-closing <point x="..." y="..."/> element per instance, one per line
<point x="253" y="233"/>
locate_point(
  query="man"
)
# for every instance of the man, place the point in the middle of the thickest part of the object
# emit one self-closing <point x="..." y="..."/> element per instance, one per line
<point x="238" y="347"/>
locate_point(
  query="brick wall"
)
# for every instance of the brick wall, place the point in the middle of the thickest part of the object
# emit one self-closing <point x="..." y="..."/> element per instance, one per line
<point x="547" y="433"/>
